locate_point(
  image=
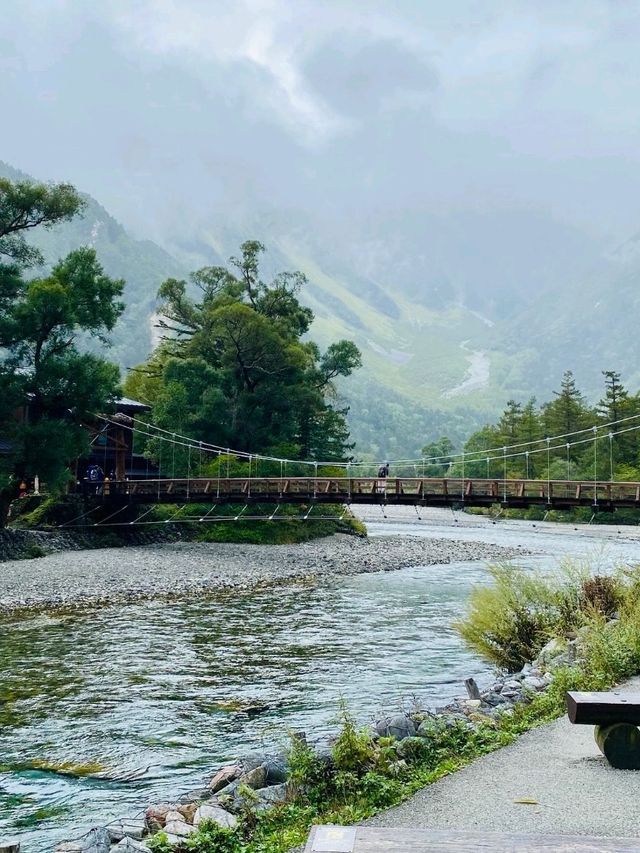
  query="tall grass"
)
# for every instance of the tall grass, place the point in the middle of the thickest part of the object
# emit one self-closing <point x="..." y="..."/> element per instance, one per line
<point x="511" y="619"/>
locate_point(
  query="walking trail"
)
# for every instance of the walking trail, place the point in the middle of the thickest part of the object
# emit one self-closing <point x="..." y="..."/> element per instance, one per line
<point x="557" y="765"/>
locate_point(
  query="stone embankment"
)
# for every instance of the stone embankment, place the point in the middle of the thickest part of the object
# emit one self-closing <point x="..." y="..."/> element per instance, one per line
<point x="23" y="544"/>
<point x="182" y="569"/>
<point x="259" y="782"/>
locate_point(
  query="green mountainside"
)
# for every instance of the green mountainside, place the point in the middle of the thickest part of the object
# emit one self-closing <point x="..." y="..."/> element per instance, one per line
<point x="445" y="340"/>
<point x="588" y="325"/>
<point x="141" y="263"/>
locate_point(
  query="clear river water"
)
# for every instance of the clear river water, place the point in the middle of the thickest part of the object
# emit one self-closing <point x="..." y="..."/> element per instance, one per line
<point x="148" y="697"/>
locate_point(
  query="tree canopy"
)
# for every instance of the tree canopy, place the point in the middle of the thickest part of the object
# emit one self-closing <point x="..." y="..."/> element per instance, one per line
<point x="528" y="425"/>
<point x="236" y="369"/>
<point x="43" y="367"/>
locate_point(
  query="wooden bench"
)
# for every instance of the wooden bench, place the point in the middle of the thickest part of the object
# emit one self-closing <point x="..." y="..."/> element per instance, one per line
<point x="616" y="717"/>
<point x="371" y="839"/>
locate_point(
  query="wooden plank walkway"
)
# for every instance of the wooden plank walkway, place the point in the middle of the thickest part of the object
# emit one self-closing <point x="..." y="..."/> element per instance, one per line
<point x="367" y="839"/>
<point x="416" y="491"/>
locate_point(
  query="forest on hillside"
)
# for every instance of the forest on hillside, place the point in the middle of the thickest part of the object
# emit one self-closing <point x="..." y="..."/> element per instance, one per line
<point x="565" y="438"/>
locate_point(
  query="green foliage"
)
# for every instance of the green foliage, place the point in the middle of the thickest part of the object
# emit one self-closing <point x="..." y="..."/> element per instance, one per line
<point x="353" y="750"/>
<point x="527" y="426"/>
<point x="159" y="843"/>
<point x="235" y="370"/>
<point x="289" y="525"/>
<point x="211" y="837"/>
<point x="510" y="620"/>
<point x="25" y="205"/>
<point x="42" y="321"/>
<point x="33" y="552"/>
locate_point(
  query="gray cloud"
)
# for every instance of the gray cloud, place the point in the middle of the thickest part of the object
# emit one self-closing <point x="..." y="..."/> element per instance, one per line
<point x="171" y="112"/>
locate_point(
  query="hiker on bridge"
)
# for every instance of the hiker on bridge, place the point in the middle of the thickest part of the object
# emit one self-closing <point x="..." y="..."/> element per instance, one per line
<point x="383" y="471"/>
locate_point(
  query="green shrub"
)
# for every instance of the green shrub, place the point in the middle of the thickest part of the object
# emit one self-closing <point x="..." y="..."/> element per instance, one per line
<point x="353" y="750"/>
<point x="212" y="838"/>
<point x="308" y="774"/>
<point x="509" y="621"/>
<point x="601" y="593"/>
<point x="33" y="551"/>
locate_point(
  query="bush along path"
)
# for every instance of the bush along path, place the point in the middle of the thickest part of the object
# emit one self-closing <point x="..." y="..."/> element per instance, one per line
<point x="266" y="804"/>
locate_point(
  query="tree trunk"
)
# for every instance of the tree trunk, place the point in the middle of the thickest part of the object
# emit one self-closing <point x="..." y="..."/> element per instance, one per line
<point x="7" y="496"/>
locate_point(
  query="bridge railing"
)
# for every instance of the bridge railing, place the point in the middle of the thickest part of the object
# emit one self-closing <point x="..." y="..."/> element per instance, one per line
<point x="362" y="489"/>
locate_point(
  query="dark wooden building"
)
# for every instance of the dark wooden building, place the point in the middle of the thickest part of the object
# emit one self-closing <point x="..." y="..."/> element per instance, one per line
<point x="112" y="445"/>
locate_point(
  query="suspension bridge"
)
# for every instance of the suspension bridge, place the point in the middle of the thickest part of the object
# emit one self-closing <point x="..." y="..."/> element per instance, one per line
<point x="413" y="491"/>
<point x="209" y="479"/>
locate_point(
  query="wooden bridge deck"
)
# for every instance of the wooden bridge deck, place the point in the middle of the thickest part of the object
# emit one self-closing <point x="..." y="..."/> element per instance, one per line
<point x="369" y="839"/>
<point x="417" y="491"/>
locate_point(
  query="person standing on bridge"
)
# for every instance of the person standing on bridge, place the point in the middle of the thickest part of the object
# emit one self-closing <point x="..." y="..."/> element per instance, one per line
<point x="383" y="473"/>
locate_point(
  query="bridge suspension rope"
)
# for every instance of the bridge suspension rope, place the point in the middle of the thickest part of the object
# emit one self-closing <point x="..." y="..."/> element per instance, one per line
<point x="465" y="457"/>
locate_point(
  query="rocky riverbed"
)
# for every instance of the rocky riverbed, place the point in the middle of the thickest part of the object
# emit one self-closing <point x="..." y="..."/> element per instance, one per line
<point x="111" y="575"/>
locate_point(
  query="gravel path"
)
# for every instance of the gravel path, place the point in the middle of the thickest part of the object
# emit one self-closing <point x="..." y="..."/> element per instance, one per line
<point x="558" y="765"/>
<point x="78" y="578"/>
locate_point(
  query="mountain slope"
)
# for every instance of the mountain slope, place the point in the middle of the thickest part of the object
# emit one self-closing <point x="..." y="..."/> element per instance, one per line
<point x="143" y="265"/>
<point x="449" y="326"/>
<point x="588" y="325"/>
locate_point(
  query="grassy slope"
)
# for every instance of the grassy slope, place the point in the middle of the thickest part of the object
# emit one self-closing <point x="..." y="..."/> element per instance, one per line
<point x="411" y="355"/>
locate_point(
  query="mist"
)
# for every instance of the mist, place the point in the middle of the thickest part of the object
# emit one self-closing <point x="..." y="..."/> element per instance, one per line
<point x="171" y="113"/>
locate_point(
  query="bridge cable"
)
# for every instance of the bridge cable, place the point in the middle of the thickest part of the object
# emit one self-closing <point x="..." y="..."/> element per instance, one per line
<point x="595" y="466"/>
<point x="448" y="457"/>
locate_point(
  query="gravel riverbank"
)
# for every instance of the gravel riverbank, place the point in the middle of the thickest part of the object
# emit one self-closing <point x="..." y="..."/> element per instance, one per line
<point x="96" y="577"/>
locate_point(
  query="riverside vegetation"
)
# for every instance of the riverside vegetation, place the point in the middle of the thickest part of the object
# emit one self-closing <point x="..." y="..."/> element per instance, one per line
<point x="547" y="635"/>
<point x="234" y="368"/>
<point x="525" y="426"/>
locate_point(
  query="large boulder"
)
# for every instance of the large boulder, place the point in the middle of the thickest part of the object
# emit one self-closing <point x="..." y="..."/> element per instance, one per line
<point x="224" y="776"/>
<point x="127" y="827"/>
<point x="256" y="778"/>
<point x="215" y="814"/>
<point x="180" y="828"/>
<point x="398" y="727"/>
<point x="273" y="794"/>
<point x="275" y="766"/>
<point x="97" y="840"/>
<point x="555" y="654"/>
<point x="156" y="816"/>
<point x="277" y="769"/>
<point x="195" y="794"/>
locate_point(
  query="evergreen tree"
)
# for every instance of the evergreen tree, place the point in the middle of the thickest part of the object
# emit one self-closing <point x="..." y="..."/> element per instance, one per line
<point x="569" y="412"/>
<point x="614" y="408"/>
<point x="615" y="400"/>
<point x="42" y="367"/>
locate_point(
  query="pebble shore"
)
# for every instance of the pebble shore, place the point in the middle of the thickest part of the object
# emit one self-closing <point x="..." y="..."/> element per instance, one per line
<point x="182" y="569"/>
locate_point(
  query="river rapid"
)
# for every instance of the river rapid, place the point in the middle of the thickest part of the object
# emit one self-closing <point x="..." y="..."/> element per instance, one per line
<point x="151" y="696"/>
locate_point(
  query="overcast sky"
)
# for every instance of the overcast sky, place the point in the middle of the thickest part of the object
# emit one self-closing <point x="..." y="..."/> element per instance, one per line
<point x="170" y="111"/>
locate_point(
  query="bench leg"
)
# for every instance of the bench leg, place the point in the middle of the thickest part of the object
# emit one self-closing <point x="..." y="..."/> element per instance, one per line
<point x="620" y="745"/>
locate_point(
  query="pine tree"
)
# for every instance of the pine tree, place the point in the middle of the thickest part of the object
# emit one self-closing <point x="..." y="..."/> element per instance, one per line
<point x="569" y="412"/>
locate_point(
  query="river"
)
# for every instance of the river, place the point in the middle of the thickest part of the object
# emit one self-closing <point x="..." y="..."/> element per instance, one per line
<point x="149" y="696"/>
